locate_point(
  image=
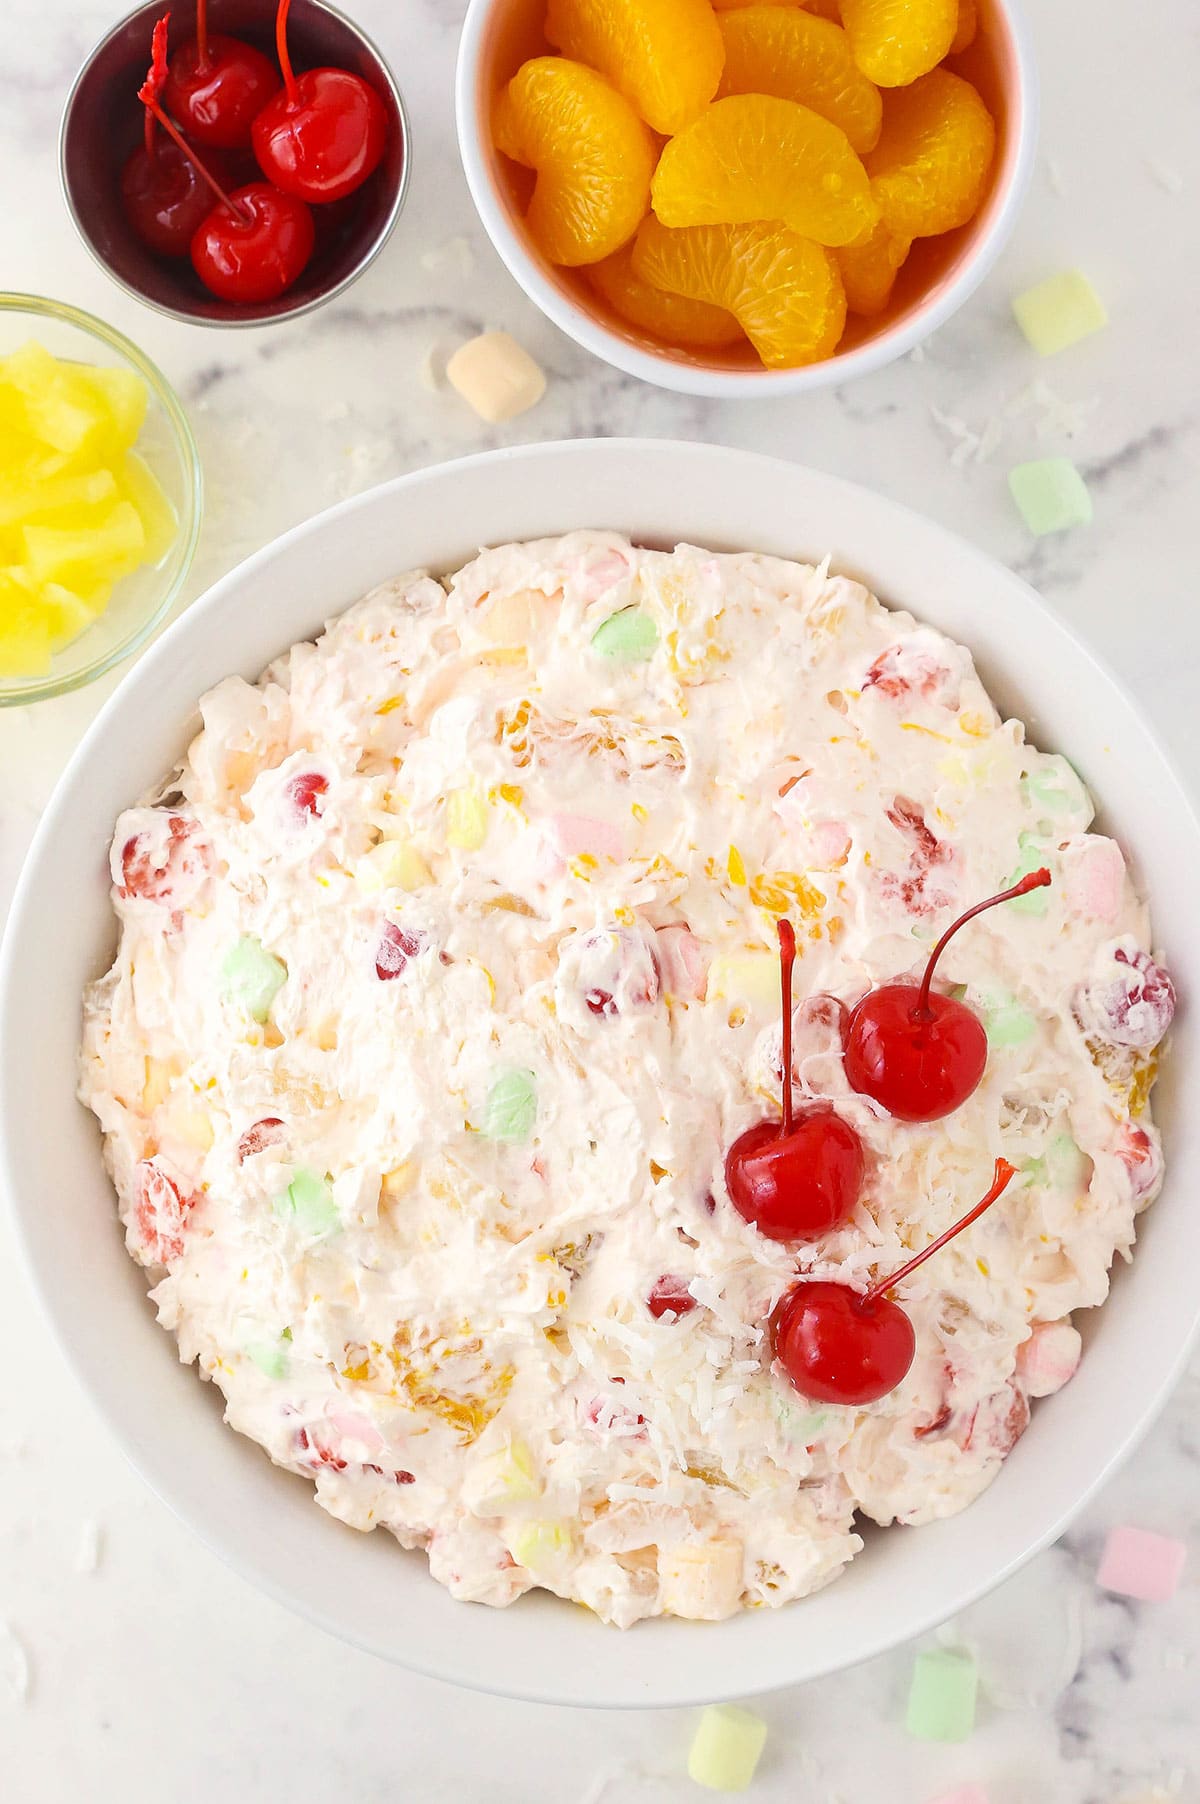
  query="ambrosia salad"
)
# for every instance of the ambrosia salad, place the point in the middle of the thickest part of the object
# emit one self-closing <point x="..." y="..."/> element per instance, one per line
<point x="447" y="975"/>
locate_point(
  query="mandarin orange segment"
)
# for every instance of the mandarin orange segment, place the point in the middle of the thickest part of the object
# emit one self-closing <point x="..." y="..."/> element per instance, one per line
<point x="968" y="25"/>
<point x="671" y="317"/>
<point x="784" y="290"/>
<point x="785" y="51"/>
<point x="869" y="270"/>
<point x="895" y="41"/>
<point x="755" y="157"/>
<point x="930" y="167"/>
<point x="664" y="55"/>
<point x="593" y="157"/>
<point x="820" y="9"/>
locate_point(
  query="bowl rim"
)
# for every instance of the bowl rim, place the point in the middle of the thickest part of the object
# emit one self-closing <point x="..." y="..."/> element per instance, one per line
<point x="694" y="378"/>
<point x="107" y="1389"/>
<point x="188" y="537"/>
<point x="316" y="301"/>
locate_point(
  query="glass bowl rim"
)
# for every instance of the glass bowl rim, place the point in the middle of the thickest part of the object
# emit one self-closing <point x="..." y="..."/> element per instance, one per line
<point x="184" y="550"/>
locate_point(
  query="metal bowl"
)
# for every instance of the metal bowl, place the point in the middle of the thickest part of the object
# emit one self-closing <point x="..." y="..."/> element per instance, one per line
<point x="102" y="124"/>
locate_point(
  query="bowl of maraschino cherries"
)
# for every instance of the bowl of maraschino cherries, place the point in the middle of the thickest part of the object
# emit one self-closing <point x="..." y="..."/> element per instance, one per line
<point x="234" y="162"/>
<point x="919" y="1054"/>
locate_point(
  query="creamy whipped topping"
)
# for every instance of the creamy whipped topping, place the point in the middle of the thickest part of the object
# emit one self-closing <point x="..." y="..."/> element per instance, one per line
<point x="447" y="974"/>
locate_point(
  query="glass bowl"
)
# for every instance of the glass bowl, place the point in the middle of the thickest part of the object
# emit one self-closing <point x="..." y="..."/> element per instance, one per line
<point x="141" y="601"/>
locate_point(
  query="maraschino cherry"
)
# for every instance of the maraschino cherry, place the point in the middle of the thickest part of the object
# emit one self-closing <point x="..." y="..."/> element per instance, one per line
<point x="794" y="1178"/>
<point x="164" y="195"/>
<point x="254" y="243"/>
<point x="839" y="1345"/>
<point x="920" y="1054"/>
<point x="217" y="86"/>
<point x="324" y="133"/>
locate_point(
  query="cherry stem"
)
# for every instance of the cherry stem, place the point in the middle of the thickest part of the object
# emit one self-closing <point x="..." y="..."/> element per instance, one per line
<point x="1035" y="880"/>
<point x="156" y="76"/>
<point x="281" y="48"/>
<point x="202" y="36"/>
<point x="787" y="958"/>
<point x="1000" y="1182"/>
<point x="148" y="101"/>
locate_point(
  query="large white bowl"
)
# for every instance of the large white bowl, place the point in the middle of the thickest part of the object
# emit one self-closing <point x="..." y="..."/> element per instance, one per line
<point x="61" y="933"/>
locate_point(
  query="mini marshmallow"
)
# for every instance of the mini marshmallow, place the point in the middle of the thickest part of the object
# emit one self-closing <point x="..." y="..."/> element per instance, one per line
<point x="1049" y="1358"/>
<point x="576" y="833"/>
<point x="962" y="1794"/>
<point x="1059" y="312"/>
<point x="1050" y="494"/>
<point x="702" y="1581"/>
<point x="941" y="1701"/>
<point x="1138" y="1563"/>
<point x="726" y="1748"/>
<point x="496" y="376"/>
<point x="1093" y="877"/>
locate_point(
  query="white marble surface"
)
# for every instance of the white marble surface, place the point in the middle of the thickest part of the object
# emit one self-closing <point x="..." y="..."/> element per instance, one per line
<point x="160" y="1675"/>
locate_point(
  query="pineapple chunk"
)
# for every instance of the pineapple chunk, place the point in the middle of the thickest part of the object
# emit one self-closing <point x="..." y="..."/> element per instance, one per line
<point x="119" y="398"/>
<point x="24" y="632"/>
<point x="500" y="1479"/>
<point x="111" y="548"/>
<point x="141" y="486"/>
<point x="26" y="501"/>
<point x="79" y="509"/>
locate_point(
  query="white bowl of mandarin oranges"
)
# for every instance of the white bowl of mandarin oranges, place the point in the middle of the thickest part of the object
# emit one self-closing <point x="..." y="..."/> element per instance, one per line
<point x="730" y="199"/>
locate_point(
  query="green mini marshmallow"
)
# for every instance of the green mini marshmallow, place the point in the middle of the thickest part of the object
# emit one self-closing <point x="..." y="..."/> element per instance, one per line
<point x="1055" y="788"/>
<point x="1062" y="1165"/>
<point x="269" y="1357"/>
<point x="1050" y="494"/>
<point x="1033" y="857"/>
<point x="252" y="977"/>
<point x="799" y="1427"/>
<point x="726" y="1748"/>
<point x="941" y="1700"/>
<point x="511" y="1107"/>
<point x="627" y="637"/>
<point x="1060" y="311"/>
<point x="308" y="1201"/>
<point x="1005" y="1022"/>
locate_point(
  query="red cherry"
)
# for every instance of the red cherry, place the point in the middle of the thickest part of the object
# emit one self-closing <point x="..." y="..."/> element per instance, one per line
<point x="259" y="1135"/>
<point x="794" y="1179"/>
<point x="166" y="863"/>
<point x="839" y="1345"/>
<point x="164" y="198"/>
<point x="795" y="1183"/>
<point x="669" y="1295"/>
<point x="305" y="792"/>
<point x="396" y="947"/>
<point x="163" y="193"/>
<point x="253" y="245"/>
<point x="921" y="1055"/>
<point x="216" y="86"/>
<point x="323" y="135"/>
<point x="161" y="1212"/>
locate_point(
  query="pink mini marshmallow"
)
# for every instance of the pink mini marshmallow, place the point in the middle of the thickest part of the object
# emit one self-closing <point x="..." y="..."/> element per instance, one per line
<point x="962" y="1794"/>
<point x="571" y="834"/>
<point x="829" y="842"/>
<point x="598" y="575"/>
<point x="1093" y="876"/>
<point x="354" y="1427"/>
<point x="684" y="963"/>
<point x="1049" y="1358"/>
<point x="1138" y="1563"/>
